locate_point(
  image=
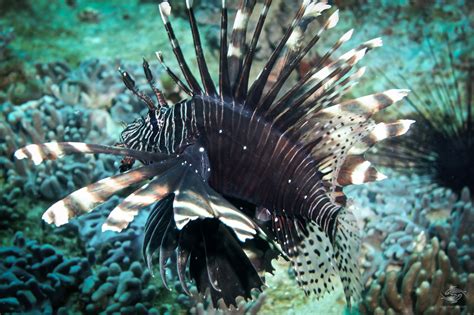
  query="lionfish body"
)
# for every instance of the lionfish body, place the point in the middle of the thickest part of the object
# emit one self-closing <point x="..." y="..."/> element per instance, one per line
<point x="246" y="171"/>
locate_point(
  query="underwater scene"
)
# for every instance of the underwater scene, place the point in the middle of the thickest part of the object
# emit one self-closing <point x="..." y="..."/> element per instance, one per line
<point x="236" y="157"/>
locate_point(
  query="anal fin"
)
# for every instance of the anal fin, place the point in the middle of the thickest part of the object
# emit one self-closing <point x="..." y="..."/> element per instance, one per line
<point x="347" y="246"/>
<point x="311" y="254"/>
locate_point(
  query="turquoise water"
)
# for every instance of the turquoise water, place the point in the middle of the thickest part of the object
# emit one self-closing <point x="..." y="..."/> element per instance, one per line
<point x="59" y="83"/>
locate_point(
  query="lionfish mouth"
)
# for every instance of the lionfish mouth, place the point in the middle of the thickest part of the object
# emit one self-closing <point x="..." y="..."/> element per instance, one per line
<point x="289" y="152"/>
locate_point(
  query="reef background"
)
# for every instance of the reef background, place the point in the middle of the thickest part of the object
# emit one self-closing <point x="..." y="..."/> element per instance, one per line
<point x="58" y="81"/>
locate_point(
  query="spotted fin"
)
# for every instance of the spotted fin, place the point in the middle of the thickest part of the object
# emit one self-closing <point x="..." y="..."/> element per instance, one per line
<point x="315" y="263"/>
<point x="311" y="254"/>
<point x="347" y="247"/>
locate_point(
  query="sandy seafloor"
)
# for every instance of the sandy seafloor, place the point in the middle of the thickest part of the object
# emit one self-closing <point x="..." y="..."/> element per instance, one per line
<point x="48" y="76"/>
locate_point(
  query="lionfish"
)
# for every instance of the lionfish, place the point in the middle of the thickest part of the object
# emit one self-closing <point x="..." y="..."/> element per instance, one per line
<point x="243" y="172"/>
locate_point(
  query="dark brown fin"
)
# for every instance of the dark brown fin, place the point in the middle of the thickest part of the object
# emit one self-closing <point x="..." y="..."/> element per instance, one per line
<point x="165" y="11"/>
<point x="219" y="265"/>
<point x="215" y="254"/>
<point x="53" y="150"/>
<point x="168" y="245"/>
<point x="130" y="84"/>
<point x="159" y="219"/>
<point x="256" y="90"/>
<point x="224" y="81"/>
<point x="236" y="51"/>
<point x="203" y="70"/>
<point x="87" y="198"/>
<point x="173" y="76"/>
<point x="151" y="82"/>
<point x="292" y="58"/>
<point x="183" y="253"/>
<point x="242" y="86"/>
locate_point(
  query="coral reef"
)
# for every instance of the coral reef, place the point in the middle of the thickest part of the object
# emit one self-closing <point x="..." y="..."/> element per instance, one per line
<point x="51" y="90"/>
<point x="243" y="307"/>
<point x="456" y="234"/>
<point x="89" y="15"/>
<point x="93" y="84"/>
<point x="48" y="119"/>
<point x="37" y="278"/>
<point x="417" y="288"/>
<point x="116" y="290"/>
<point x="108" y="247"/>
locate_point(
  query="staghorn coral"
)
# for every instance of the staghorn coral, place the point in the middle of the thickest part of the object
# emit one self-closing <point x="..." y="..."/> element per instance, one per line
<point x="417" y="287"/>
<point x="37" y="278"/>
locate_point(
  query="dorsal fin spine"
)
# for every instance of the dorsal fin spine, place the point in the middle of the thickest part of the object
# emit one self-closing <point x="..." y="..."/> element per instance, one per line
<point x="203" y="70"/>
<point x="224" y="83"/>
<point x="257" y="87"/>
<point x="288" y="95"/>
<point x="165" y="11"/>
<point x="272" y="94"/>
<point x="237" y="45"/>
<point x="173" y="76"/>
<point x="242" y="86"/>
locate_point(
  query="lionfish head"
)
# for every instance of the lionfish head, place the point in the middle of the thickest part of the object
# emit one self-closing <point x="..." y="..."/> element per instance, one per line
<point x="135" y="135"/>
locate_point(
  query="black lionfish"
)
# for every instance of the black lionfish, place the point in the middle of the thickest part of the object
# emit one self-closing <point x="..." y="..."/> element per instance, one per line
<point x="245" y="171"/>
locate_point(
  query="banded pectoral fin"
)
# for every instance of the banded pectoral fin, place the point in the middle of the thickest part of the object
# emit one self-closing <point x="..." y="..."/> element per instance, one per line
<point x="223" y="248"/>
<point x="87" y="198"/>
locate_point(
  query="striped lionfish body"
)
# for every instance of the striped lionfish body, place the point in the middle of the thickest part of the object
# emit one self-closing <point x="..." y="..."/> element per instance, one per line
<point x="246" y="171"/>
